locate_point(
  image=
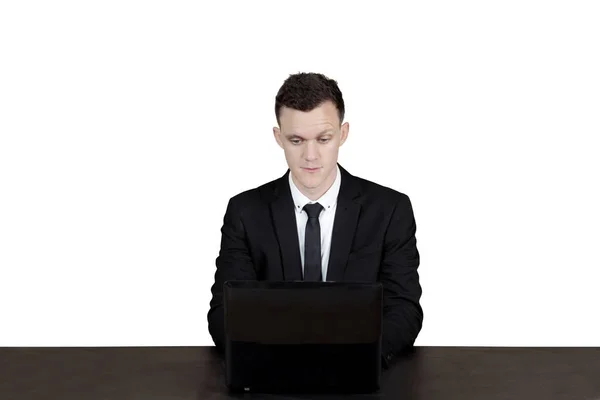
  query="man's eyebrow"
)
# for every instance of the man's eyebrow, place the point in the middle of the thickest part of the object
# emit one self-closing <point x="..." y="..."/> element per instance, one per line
<point x="327" y="131"/>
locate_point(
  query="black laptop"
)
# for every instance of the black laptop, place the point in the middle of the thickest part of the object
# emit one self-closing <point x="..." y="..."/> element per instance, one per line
<point x="303" y="336"/>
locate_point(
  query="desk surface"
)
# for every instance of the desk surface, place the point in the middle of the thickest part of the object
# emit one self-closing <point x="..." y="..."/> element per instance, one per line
<point x="196" y="373"/>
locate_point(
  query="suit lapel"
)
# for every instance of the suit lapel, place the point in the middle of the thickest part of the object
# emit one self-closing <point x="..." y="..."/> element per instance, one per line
<point x="284" y="220"/>
<point x="344" y="226"/>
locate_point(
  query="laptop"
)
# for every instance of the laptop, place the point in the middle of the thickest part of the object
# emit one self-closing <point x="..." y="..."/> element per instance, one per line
<point x="303" y="336"/>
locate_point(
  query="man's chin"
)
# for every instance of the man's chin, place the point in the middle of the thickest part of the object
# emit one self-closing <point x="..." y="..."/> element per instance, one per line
<point x="309" y="180"/>
<point x="310" y="183"/>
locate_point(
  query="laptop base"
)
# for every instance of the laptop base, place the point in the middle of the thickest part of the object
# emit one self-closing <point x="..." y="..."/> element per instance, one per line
<point x="304" y="368"/>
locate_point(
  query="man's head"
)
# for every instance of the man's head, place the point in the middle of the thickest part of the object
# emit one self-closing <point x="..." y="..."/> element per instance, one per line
<point x="310" y="110"/>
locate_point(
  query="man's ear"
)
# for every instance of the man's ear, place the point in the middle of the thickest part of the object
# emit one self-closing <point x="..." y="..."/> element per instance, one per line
<point x="277" y="134"/>
<point x="345" y="129"/>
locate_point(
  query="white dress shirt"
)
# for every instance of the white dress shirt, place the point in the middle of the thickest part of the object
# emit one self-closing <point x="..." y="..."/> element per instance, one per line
<point x="326" y="218"/>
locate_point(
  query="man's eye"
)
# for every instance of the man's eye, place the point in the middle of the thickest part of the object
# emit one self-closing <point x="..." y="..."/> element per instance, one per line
<point x="325" y="140"/>
<point x="295" y="141"/>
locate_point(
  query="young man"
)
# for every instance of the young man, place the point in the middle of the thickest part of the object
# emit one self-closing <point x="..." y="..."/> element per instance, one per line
<point x="319" y="222"/>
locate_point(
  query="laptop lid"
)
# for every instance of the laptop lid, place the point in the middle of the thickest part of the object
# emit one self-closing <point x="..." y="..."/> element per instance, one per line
<point x="303" y="336"/>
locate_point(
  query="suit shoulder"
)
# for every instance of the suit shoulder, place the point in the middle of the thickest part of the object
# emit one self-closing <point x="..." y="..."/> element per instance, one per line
<point x="253" y="196"/>
<point x="382" y="194"/>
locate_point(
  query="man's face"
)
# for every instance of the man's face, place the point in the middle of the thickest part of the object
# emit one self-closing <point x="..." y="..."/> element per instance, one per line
<point x="310" y="141"/>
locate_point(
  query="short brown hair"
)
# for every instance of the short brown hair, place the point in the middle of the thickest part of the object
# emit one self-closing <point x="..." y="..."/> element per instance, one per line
<point x="306" y="91"/>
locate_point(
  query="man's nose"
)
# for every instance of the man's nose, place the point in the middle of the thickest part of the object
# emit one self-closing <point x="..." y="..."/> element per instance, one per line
<point x="311" y="150"/>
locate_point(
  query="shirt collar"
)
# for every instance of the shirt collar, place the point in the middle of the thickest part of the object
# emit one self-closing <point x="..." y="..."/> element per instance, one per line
<point x="328" y="199"/>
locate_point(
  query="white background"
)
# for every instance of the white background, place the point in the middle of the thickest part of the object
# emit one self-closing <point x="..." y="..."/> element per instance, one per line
<point x="126" y="127"/>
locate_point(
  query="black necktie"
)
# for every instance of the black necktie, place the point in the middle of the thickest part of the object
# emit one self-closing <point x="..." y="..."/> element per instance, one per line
<point x="312" y="243"/>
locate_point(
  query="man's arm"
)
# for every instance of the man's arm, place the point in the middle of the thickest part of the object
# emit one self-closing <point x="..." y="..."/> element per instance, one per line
<point x="402" y="313"/>
<point x="233" y="263"/>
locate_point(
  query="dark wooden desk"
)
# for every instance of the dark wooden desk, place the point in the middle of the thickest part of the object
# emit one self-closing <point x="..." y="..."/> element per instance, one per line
<point x="196" y="373"/>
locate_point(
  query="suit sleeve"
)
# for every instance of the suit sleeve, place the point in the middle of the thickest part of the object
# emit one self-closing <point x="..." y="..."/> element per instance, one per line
<point x="233" y="263"/>
<point x="402" y="313"/>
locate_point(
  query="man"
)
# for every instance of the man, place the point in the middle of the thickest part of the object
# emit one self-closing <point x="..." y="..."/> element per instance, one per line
<point x="319" y="222"/>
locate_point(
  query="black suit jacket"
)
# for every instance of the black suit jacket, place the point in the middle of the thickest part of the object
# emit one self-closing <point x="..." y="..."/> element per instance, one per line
<point x="373" y="240"/>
